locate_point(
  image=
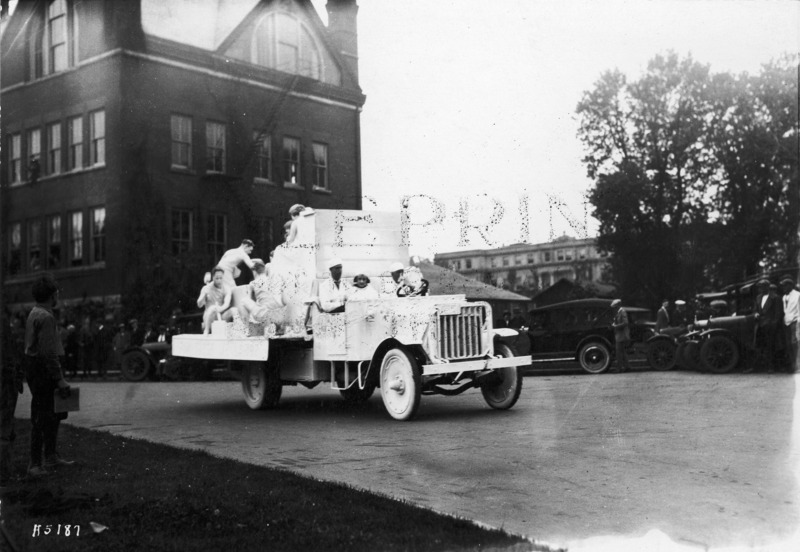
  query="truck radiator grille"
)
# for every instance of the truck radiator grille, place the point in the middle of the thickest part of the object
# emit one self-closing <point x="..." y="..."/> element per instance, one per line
<point x="460" y="334"/>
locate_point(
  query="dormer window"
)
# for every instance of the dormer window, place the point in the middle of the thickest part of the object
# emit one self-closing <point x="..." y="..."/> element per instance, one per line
<point x="281" y="41"/>
<point x="50" y="40"/>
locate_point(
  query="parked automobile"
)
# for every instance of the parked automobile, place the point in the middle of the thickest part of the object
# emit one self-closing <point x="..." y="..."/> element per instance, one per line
<point x="155" y="360"/>
<point x="581" y="330"/>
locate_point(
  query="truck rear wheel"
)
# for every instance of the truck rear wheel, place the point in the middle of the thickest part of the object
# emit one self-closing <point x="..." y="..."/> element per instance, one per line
<point x="401" y="384"/>
<point x="501" y="390"/>
<point x="261" y="385"/>
<point x="719" y="354"/>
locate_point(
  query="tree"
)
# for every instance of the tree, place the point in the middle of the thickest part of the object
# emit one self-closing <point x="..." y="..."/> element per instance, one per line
<point x="691" y="170"/>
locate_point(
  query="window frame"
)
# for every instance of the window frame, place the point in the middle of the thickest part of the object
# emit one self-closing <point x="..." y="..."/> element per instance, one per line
<point x="97" y="238"/>
<point x="15" y="162"/>
<point x="288" y="163"/>
<point x="181" y="244"/>
<point x="49" y="32"/>
<point x="74" y="149"/>
<point x="75" y="240"/>
<point x="177" y="141"/>
<point x="212" y="150"/>
<point x="263" y="152"/>
<point x="97" y="142"/>
<point x="14" y="249"/>
<point x="53" y="152"/>
<point x="214" y="245"/>
<point x="320" y="169"/>
<point x="53" y="241"/>
<point x="34" y="245"/>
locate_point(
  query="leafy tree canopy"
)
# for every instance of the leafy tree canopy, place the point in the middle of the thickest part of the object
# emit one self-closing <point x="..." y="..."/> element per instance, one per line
<point x="695" y="173"/>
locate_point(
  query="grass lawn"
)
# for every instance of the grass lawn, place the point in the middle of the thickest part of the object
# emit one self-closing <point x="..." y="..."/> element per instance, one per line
<point x="154" y="497"/>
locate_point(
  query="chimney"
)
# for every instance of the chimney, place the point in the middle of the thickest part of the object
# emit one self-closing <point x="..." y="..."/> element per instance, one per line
<point x="343" y="30"/>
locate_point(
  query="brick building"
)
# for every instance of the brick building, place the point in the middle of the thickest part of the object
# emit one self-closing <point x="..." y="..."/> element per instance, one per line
<point x="529" y="268"/>
<point x="143" y="138"/>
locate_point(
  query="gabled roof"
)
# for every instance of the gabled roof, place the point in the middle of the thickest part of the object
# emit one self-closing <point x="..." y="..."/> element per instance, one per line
<point x="443" y="281"/>
<point x="199" y="23"/>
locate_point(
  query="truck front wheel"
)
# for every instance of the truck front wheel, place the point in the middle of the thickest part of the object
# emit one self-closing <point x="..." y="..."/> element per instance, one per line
<point x="501" y="389"/>
<point x="261" y="386"/>
<point x="401" y="384"/>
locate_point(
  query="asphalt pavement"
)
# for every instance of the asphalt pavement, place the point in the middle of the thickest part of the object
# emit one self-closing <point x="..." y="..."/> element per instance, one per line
<point x="679" y="459"/>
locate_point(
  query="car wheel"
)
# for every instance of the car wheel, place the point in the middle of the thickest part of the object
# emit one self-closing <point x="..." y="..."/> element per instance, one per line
<point x="261" y="385"/>
<point x="661" y="354"/>
<point x="135" y="365"/>
<point x="401" y="384"/>
<point x="502" y="388"/>
<point x="354" y="395"/>
<point x="594" y="357"/>
<point x="719" y="354"/>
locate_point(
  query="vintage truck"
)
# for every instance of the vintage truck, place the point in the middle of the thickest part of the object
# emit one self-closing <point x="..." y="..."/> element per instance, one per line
<point x="405" y="346"/>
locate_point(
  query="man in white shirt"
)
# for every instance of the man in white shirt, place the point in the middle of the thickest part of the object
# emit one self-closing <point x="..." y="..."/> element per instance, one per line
<point x="791" y="321"/>
<point x="333" y="291"/>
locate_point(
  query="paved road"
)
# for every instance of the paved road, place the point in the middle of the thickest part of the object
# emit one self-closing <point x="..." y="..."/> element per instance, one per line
<point x="709" y="461"/>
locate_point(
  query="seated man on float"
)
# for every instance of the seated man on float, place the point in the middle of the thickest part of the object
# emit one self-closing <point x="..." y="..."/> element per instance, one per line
<point x="333" y="291"/>
<point x="215" y="297"/>
<point x="262" y="296"/>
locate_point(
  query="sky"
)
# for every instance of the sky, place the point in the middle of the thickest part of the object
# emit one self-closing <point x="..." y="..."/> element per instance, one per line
<point x="471" y="103"/>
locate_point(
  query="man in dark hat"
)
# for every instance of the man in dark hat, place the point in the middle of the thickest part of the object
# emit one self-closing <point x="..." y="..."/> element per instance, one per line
<point x="791" y="322"/>
<point x="769" y="312"/>
<point x="622" y="335"/>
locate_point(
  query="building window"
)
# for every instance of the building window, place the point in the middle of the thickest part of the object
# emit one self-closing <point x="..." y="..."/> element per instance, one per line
<point x="215" y="148"/>
<point x="291" y="161"/>
<point x="494" y="262"/>
<point x="35" y="245"/>
<point x="469" y="263"/>
<point x="35" y="144"/>
<point x="320" y="165"/>
<point x="75" y="151"/>
<point x="181" y="231"/>
<point x="548" y="256"/>
<point x="569" y="254"/>
<point x="57" y="35"/>
<point x="263" y="145"/>
<point x="519" y="260"/>
<point x="582" y="253"/>
<point x="282" y="42"/>
<point x="76" y="238"/>
<point x="181" y="128"/>
<point x="15" y="159"/>
<point x="54" y="148"/>
<point x="54" y="241"/>
<point x="15" y="248"/>
<point x="97" y="235"/>
<point x="531" y="258"/>
<point x="264" y="234"/>
<point x="506" y="261"/>
<point x="97" y="138"/>
<point x="560" y="255"/>
<point x="217" y="235"/>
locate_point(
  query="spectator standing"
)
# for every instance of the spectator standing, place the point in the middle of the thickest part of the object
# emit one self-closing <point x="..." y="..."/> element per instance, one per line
<point x="137" y="333"/>
<point x="11" y="389"/>
<point x="768" y="317"/>
<point x="43" y="372"/>
<point x="121" y="341"/>
<point x="85" y="344"/>
<point x="791" y="322"/>
<point x="103" y="345"/>
<point x="504" y="322"/>
<point x="622" y="335"/>
<point x="662" y="317"/>
<point x="150" y="335"/>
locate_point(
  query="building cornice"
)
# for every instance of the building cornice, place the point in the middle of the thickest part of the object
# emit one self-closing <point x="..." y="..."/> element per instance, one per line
<point x="355" y="106"/>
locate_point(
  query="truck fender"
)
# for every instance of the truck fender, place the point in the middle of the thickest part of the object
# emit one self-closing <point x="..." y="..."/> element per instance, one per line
<point x="383" y="348"/>
<point x="660" y="337"/>
<point x="504" y="332"/>
<point x="719" y="331"/>
<point x="595" y="338"/>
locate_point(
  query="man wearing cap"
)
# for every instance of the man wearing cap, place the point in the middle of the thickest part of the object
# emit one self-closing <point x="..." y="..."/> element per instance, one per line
<point x="622" y="335"/>
<point x="791" y="322"/>
<point x="333" y="291"/>
<point x="768" y="317"/>
<point x="680" y="316"/>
